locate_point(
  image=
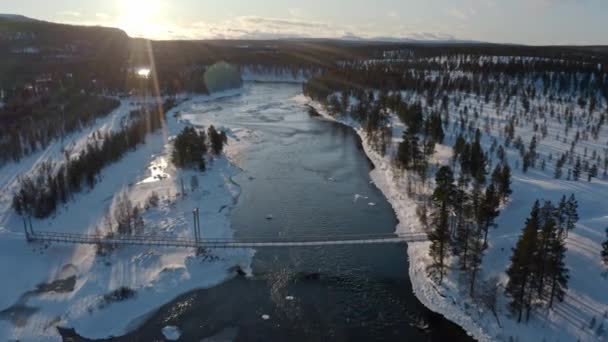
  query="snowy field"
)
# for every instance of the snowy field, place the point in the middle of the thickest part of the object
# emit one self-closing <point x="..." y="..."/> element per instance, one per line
<point x="63" y="285"/>
<point x="584" y="313"/>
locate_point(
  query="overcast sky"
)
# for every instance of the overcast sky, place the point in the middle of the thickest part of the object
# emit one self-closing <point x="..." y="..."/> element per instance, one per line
<point x="504" y="21"/>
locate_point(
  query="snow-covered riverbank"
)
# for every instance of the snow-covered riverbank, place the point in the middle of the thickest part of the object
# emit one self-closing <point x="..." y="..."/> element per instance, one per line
<point x="78" y="279"/>
<point x="581" y="316"/>
<point x="394" y="188"/>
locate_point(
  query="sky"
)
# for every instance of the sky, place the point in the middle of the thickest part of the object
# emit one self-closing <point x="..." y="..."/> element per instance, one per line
<point x="535" y="22"/>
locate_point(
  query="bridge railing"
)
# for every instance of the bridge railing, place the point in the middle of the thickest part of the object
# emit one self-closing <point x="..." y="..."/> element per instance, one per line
<point x="225" y="242"/>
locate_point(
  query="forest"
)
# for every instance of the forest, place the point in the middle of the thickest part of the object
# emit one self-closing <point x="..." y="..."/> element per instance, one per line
<point x="53" y="184"/>
<point x="28" y="126"/>
<point x="491" y="111"/>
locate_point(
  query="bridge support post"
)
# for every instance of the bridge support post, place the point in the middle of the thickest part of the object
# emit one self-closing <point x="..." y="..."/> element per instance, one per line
<point x="27" y="233"/>
<point x="31" y="227"/>
<point x="197" y="230"/>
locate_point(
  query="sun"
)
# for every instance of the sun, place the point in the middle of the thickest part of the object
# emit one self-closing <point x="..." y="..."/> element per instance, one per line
<point x="140" y="18"/>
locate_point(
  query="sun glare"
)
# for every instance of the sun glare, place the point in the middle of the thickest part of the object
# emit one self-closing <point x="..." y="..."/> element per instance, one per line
<point x="143" y="72"/>
<point x="140" y="17"/>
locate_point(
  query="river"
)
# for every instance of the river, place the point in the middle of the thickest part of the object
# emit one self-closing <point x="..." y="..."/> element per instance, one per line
<point x="312" y="176"/>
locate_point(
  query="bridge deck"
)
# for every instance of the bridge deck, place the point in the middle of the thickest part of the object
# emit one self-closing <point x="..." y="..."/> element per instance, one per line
<point x="225" y="243"/>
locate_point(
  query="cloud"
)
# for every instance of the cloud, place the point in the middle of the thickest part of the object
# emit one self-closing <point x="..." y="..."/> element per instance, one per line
<point x="545" y="4"/>
<point x="295" y="12"/>
<point x="461" y="13"/>
<point x="258" y="27"/>
<point x="70" y="13"/>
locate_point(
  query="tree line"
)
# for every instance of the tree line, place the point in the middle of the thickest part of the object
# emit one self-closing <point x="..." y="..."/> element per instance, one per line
<point x="27" y="126"/>
<point x="190" y="146"/>
<point x="40" y="193"/>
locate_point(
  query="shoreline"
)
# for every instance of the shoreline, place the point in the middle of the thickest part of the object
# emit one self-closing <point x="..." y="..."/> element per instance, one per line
<point x="405" y="210"/>
<point x="157" y="275"/>
<point x="195" y="272"/>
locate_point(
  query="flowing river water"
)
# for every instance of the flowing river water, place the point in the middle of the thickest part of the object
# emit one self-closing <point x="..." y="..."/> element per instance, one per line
<point x="312" y="176"/>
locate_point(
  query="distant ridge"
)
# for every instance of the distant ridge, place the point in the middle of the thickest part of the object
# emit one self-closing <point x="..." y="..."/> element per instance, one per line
<point x="15" y="17"/>
<point x="347" y="39"/>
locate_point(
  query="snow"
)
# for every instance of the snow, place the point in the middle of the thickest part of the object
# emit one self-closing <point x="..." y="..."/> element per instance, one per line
<point x="156" y="274"/>
<point x="171" y="333"/>
<point x="160" y="274"/>
<point x="586" y="299"/>
<point x="356" y="197"/>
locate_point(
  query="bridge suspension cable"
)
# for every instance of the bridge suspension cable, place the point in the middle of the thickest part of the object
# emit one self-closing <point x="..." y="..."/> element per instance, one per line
<point x="250" y="242"/>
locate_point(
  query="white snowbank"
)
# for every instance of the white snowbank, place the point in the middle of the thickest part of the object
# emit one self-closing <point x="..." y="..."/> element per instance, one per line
<point x="383" y="177"/>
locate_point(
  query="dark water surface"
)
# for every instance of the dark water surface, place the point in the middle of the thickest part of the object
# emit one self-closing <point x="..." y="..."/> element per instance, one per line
<point x="305" y="172"/>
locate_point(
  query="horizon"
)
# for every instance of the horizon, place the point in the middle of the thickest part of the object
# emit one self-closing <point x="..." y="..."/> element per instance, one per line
<point x="537" y="22"/>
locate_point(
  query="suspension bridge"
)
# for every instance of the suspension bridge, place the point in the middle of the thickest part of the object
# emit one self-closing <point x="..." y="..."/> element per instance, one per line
<point x="258" y="242"/>
<point x="199" y="242"/>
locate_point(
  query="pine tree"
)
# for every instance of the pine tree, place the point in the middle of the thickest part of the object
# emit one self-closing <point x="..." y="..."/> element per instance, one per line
<point x="409" y="154"/>
<point x="475" y="242"/>
<point x="440" y="235"/>
<point x="558" y="272"/>
<point x="435" y="128"/>
<point x="123" y="214"/>
<point x="403" y="157"/>
<point x="526" y="163"/>
<point x="497" y="175"/>
<point x="462" y="221"/>
<point x="521" y="270"/>
<point x="489" y="211"/>
<point x="501" y="177"/>
<point x="592" y="173"/>
<point x="576" y="172"/>
<point x="218" y="139"/>
<point x="189" y="148"/>
<point x="478" y="160"/>
<point x="571" y="213"/>
<point x="558" y="170"/>
<point x="545" y="236"/>
<point x="458" y="148"/>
